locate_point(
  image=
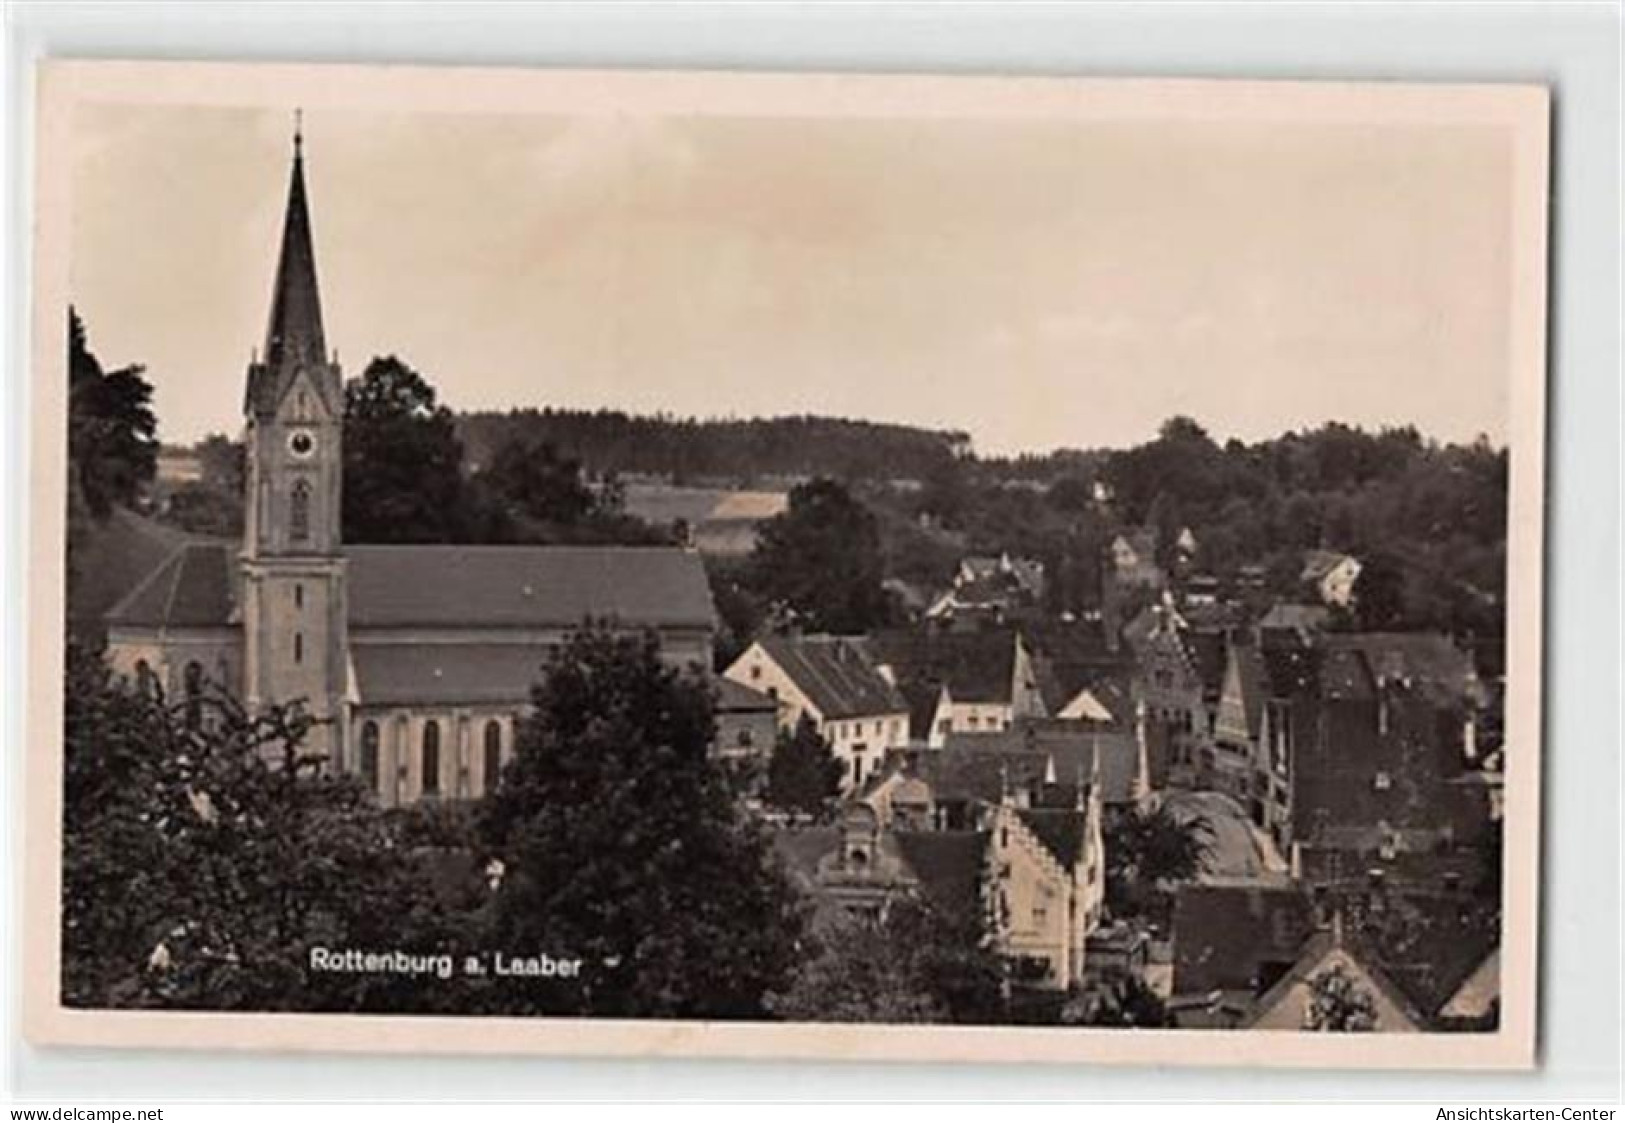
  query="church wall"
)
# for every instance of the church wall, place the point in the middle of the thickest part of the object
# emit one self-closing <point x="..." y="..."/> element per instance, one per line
<point x="461" y="771"/>
<point x="217" y="652"/>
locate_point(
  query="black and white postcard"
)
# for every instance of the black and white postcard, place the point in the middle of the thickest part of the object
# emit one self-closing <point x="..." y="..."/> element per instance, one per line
<point x="823" y="566"/>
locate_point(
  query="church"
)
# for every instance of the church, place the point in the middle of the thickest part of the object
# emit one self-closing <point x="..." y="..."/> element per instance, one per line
<point x="415" y="660"/>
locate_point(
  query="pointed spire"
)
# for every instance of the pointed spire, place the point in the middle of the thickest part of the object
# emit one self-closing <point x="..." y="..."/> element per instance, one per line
<point x="293" y="336"/>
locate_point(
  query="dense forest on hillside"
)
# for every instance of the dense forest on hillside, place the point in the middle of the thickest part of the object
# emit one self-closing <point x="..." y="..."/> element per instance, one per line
<point x="737" y="451"/>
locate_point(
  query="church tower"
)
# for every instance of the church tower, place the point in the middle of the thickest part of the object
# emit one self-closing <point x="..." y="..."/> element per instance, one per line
<point x="293" y="596"/>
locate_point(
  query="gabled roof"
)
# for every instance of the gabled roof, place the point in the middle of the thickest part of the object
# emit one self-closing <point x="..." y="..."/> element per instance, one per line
<point x="1068" y="754"/>
<point x="110" y="559"/>
<point x="451" y="587"/>
<point x="194" y="587"/>
<point x="1318" y="563"/>
<point x="947" y="864"/>
<point x="836" y="673"/>
<point x="1478" y="994"/>
<point x="526" y="586"/>
<point x="1304" y="619"/>
<point x="1316" y="951"/>
<point x="1439" y="670"/>
<point x="979" y="773"/>
<point x="1226" y="937"/>
<point x="1063" y="832"/>
<point x="974" y="666"/>
<point x="735" y="697"/>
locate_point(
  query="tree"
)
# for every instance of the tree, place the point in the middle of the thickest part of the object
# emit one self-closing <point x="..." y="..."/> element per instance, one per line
<point x="1147" y="852"/>
<point x="206" y="852"/>
<point x="402" y="460"/>
<point x="540" y="483"/>
<point x="915" y="960"/>
<point x="1379" y="593"/>
<point x="803" y="774"/>
<point x="622" y="846"/>
<point x="223" y="464"/>
<point x="821" y="559"/>
<point x="1339" y="1004"/>
<point x="1127" y="1002"/>
<point x="112" y="431"/>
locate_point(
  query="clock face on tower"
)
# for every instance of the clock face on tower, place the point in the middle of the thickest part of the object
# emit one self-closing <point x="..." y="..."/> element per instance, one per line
<point x="302" y="443"/>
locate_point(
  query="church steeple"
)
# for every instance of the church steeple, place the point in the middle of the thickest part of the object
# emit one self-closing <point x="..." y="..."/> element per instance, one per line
<point x="293" y="336"/>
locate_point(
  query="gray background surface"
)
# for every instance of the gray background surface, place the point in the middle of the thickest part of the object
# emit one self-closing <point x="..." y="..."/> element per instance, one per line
<point x="1573" y="48"/>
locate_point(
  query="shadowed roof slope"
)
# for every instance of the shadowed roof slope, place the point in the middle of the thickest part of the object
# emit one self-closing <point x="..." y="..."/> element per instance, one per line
<point x="948" y="865"/>
<point x="1237" y="937"/>
<point x="195" y="587"/>
<point x="836" y="673"/>
<point x="974" y="666"/>
<point x="1062" y="832"/>
<point x="526" y="586"/>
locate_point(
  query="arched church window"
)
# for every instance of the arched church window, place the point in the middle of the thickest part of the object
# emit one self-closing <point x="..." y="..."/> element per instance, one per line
<point x="431" y="758"/>
<point x="369" y="755"/>
<point x="493" y="755"/>
<point x="192" y="685"/>
<point x="299" y="511"/>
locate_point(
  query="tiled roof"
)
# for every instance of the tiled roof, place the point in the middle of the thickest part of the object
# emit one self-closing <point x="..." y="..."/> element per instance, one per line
<point x="948" y="864"/>
<point x="1070" y="752"/>
<point x="1063" y="832"/>
<point x="1303" y="618"/>
<point x="1226" y="935"/>
<point x="446" y="674"/>
<point x="836" y="673"/>
<point x="194" y="587"/>
<point x="1430" y="661"/>
<point x="526" y="586"/>
<point x="735" y="697"/>
<point x="1318" y="563"/>
<point x="452" y="587"/>
<point x="975" y="666"/>
<point x="1315" y="951"/>
<point x="978" y="773"/>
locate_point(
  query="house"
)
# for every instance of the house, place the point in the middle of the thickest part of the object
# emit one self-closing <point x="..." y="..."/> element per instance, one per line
<point x="414" y="661"/>
<point x="1245" y="955"/>
<point x="1368" y="763"/>
<point x="1168" y="680"/>
<point x="1291" y="1003"/>
<point x="1120" y="760"/>
<point x="747" y="721"/>
<point x="1231" y="943"/>
<point x="1034" y="877"/>
<point x="1285" y="622"/>
<point x="989" y="587"/>
<point x="1133" y="558"/>
<point x="1332" y="576"/>
<point x="833" y="682"/>
<point x="960" y="682"/>
<point x="1476" y="1003"/>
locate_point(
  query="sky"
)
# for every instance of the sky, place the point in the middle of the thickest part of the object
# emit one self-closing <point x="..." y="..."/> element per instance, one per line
<point x="1037" y="284"/>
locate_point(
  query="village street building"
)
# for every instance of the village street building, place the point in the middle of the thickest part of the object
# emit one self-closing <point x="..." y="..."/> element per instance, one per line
<point x="960" y="682"/>
<point x="833" y="682"/>
<point x="414" y="660"/>
<point x="1035" y="876"/>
